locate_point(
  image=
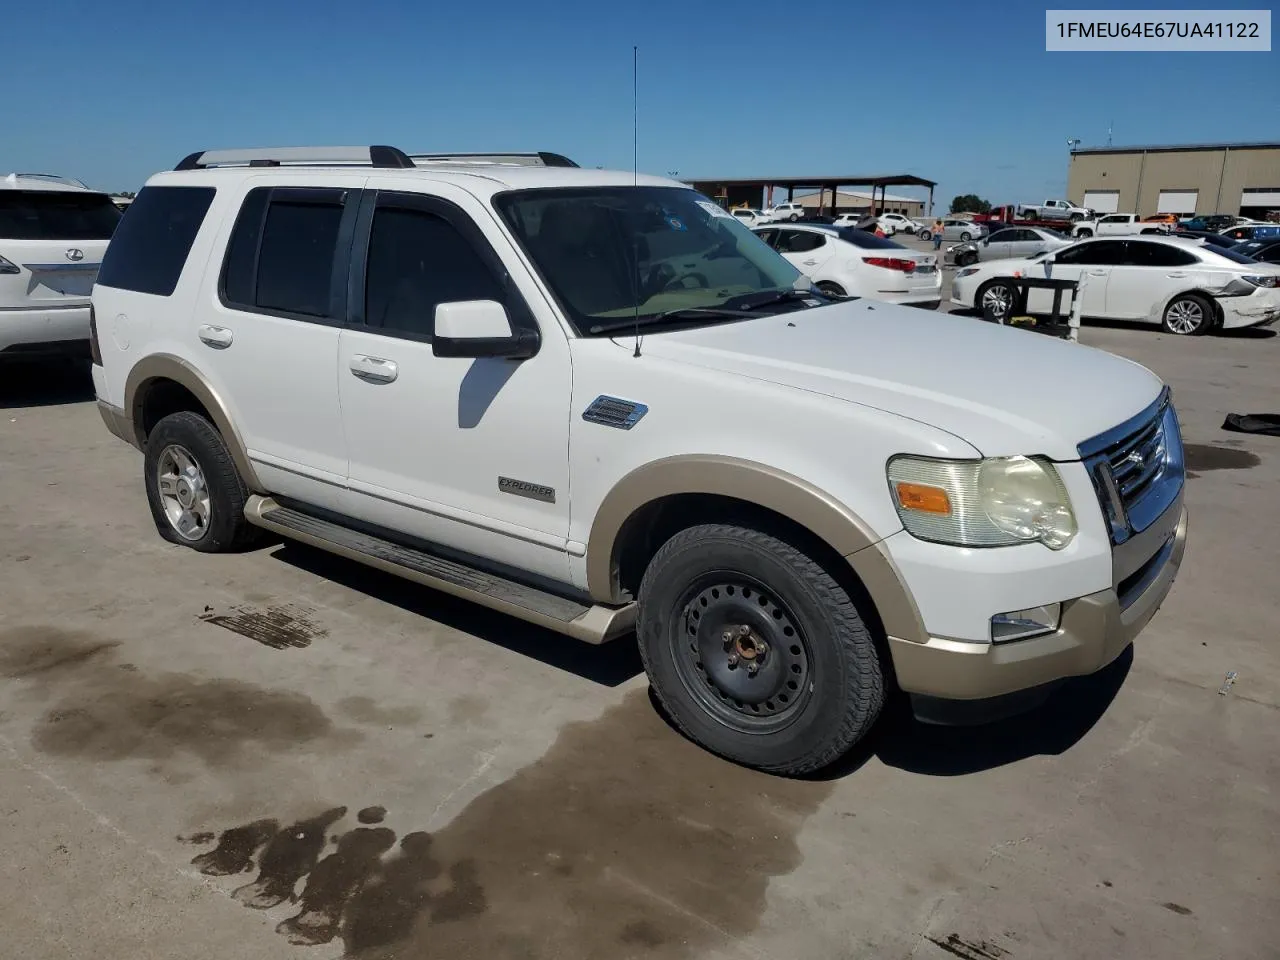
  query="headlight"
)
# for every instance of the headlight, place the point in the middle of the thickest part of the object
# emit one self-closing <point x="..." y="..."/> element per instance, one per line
<point x="982" y="503"/>
<point x="1263" y="281"/>
<point x="966" y="272"/>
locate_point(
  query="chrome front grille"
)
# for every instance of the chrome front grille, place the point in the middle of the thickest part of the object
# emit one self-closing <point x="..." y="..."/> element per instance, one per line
<point x="1137" y="468"/>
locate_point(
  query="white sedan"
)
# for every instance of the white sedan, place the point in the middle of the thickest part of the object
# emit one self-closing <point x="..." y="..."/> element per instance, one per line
<point x="1181" y="284"/>
<point x="847" y="262"/>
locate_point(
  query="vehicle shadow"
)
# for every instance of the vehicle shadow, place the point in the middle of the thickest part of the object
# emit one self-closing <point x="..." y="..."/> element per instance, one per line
<point x="609" y="665"/>
<point x="44" y="383"/>
<point x="1049" y="730"/>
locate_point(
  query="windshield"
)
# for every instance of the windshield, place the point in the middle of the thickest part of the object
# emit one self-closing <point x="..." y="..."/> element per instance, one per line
<point x="56" y="215"/>
<point x="611" y="253"/>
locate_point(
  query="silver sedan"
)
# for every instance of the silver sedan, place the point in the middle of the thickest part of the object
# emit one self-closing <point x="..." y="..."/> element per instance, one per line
<point x="1008" y="243"/>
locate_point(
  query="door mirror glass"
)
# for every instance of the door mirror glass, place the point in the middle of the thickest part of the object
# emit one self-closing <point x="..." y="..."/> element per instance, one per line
<point x="479" y="328"/>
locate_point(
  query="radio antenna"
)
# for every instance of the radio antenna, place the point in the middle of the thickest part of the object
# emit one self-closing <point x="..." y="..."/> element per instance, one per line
<point x="635" y="181"/>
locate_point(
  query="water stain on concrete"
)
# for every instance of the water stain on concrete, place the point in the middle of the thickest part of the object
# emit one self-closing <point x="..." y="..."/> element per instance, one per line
<point x="287" y="858"/>
<point x="366" y="710"/>
<point x="623" y="840"/>
<point x="235" y="849"/>
<point x="34" y="651"/>
<point x="280" y="627"/>
<point x="106" y="714"/>
<point x="1202" y="456"/>
<point x="1177" y="908"/>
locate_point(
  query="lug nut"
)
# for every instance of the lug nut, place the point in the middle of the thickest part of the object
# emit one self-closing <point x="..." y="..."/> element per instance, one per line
<point x="744" y="631"/>
<point x="752" y="669"/>
<point x="733" y="660"/>
<point x="727" y="637"/>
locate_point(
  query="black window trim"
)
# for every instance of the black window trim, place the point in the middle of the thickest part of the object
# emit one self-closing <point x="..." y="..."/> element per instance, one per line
<point x="517" y="307"/>
<point x="346" y="197"/>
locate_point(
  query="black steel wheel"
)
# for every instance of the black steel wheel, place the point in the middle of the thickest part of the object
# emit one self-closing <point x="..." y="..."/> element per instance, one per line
<point x="756" y="651"/>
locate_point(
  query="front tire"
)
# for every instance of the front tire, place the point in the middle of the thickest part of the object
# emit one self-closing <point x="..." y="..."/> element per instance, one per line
<point x="995" y="300"/>
<point x="967" y="259"/>
<point x="755" y="651"/>
<point x="925" y="235"/>
<point x="1188" y="315"/>
<point x="965" y="237"/>
<point x="196" y="495"/>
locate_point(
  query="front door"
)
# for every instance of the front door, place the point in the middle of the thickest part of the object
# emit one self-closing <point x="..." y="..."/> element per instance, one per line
<point x="471" y="454"/>
<point x="1089" y="264"/>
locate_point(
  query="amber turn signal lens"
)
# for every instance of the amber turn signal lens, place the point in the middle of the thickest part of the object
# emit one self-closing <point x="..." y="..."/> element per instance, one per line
<point x="922" y="497"/>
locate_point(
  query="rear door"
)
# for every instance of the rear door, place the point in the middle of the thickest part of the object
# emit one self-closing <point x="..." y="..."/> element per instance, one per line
<point x="52" y="242"/>
<point x="807" y="250"/>
<point x="267" y="334"/>
<point x="1149" y="274"/>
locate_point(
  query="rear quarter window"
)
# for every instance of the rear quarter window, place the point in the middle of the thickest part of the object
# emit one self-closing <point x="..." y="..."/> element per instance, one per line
<point x="150" y="246"/>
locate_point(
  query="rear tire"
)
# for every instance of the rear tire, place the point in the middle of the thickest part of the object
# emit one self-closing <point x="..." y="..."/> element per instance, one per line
<point x="818" y="685"/>
<point x="833" y="290"/>
<point x="196" y="495"/>
<point x="1188" y="315"/>
<point x="1085" y="232"/>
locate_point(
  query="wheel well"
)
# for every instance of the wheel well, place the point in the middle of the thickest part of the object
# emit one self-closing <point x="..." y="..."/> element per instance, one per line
<point x="160" y="397"/>
<point x="1214" y="305"/>
<point x="646" y="530"/>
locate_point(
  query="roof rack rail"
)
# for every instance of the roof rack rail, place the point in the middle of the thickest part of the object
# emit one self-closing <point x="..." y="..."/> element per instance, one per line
<point x="56" y="178"/>
<point x="375" y="156"/>
<point x="540" y="158"/>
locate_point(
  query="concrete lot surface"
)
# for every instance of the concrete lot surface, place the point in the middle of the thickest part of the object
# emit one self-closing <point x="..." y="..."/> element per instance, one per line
<point x="282" y="755"/>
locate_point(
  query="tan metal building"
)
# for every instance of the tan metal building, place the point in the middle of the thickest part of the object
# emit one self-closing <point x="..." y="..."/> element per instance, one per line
<point x="1197" y="178"/>
<point x="856" y="201"/>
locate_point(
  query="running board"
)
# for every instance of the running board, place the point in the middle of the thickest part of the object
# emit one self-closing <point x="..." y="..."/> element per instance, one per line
<point x="592" y="624"/>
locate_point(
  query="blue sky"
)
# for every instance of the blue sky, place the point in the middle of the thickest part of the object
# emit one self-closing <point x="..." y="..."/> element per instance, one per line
<point x="964" y="94"/>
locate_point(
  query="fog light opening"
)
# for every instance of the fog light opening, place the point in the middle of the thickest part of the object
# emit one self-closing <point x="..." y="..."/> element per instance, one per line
<point x="1025" y="624"/>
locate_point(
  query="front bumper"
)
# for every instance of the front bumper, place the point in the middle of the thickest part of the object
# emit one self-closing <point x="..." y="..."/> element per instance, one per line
<point x="1094" y="630"/>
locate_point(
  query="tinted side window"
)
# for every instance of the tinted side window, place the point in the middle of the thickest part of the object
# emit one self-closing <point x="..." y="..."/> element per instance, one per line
<point x="799" y="241"/>
<point x="1098" y="253"/>
<point x="1003" y="236"/>
<point x="150" y="246"/>
<point x="1141" y="254"/>
<point x="416" y="261"/>
<point x="281" y="254"/>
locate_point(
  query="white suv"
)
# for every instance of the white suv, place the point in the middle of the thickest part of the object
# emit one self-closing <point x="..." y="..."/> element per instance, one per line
<point x="600" y="404"/>
<point x="53" y="231"/>
<point x="792" y="210"/>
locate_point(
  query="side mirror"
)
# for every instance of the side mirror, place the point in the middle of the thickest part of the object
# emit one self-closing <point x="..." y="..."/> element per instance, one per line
<point x="986" y="242"/>
<point x="480" y="328"/>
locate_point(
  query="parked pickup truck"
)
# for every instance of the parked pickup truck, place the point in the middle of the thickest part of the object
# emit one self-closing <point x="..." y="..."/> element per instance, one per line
<point x="1053" y="210"/>
<point x="1113" y="224"/>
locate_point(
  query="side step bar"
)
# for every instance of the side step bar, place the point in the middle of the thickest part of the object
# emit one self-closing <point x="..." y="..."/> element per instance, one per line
<point x="592" y="624"/>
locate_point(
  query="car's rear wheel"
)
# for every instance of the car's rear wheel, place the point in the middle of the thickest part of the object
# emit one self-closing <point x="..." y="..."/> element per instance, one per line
<point x="196" y="495"/>
<point x="1084" y="232"/>
<point x="995" y="299"/>
<point x="833" y="290"/>
<point x="1188" y="315"/>
<point x="794" y="217"/>
<point x="756" y="651"/>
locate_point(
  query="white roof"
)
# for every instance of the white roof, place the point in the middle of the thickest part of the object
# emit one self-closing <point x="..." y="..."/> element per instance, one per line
<point x="42" y="181"/>
<point x="478" y="179"/>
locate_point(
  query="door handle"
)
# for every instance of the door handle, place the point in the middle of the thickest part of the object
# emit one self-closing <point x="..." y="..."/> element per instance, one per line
<point x="809" y="263"/>
<point x="1177" y="276"/>
<point x="217" y="337"/>
<point x="1097" y="273"/>
<point x="374" y="369"/>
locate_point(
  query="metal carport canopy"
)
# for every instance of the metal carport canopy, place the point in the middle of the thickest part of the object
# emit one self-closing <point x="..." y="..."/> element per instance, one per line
<point x="833" y="183"/>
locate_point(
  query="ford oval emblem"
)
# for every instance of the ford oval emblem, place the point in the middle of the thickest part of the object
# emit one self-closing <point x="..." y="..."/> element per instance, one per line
<point x="75" y="254"/>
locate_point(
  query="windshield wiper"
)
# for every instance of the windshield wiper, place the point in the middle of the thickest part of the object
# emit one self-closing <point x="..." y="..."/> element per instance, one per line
<point x="744" y="301"/>
<point x="683" y="313"/>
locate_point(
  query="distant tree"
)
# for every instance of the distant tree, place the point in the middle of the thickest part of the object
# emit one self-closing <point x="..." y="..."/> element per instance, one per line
<point x="970" y="203"/>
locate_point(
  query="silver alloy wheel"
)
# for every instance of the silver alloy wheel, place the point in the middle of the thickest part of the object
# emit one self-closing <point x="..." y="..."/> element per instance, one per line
<point x="184" y="495"/>
<point x="999" y="297"/>
<point x="1184" y="316"/>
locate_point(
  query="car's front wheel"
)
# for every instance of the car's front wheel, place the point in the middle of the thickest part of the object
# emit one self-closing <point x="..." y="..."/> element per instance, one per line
<point x="966" y="237"/>
<point x="967" y="259"/>
<point x="196" y="495"/>
<point x="995" y="299"/>
<point x="756" y="651"/>
<point x="1188" y="315"/>
<point x="925" y="234"/>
